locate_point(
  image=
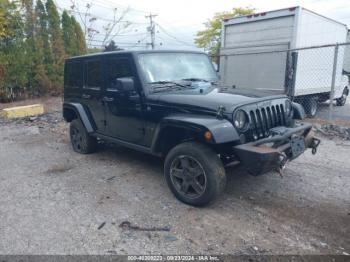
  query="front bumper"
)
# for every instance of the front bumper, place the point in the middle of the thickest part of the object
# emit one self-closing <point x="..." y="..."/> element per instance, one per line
<point x="274" y="152"/>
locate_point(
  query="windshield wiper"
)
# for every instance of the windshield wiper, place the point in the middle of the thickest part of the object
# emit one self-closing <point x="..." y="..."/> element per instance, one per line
<point x="167" y="85"/>
<point x="194" y="79"/>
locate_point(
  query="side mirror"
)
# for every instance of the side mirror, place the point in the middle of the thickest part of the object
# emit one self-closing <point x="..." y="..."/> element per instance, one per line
<point x="125" y="84"/>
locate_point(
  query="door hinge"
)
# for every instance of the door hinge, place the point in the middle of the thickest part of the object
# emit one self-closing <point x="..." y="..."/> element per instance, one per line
<point x="143" y="130"/>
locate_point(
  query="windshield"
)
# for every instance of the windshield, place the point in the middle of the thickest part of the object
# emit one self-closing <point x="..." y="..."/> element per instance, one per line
<point x="158" y="67"/>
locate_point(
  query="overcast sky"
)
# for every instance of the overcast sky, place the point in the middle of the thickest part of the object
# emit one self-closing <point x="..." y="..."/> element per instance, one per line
<point x="179" y="20"/>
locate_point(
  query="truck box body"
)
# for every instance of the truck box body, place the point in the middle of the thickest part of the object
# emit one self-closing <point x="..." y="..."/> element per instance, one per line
<point x="347" y="55"/>
<point x="250" y="57"/>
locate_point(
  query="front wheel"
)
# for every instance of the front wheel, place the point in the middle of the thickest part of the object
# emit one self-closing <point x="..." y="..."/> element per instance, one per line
<point x="342" y="100"/>
<point x="311" y="106"/>
<point x="194" y="173"/>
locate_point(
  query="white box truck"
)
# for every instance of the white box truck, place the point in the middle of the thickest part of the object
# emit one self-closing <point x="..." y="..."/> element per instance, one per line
<point x="253" y="56"/>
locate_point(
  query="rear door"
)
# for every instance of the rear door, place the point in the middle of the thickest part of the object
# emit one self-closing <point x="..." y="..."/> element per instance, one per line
<point x="257" y="68"/>
<point x="92" y="92"/>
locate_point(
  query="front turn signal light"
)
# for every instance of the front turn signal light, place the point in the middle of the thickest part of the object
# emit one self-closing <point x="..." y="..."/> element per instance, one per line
<point x="208" y="135"/>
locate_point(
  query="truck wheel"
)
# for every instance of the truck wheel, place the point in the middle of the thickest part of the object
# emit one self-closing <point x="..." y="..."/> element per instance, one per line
<point x="81" y="141"/>
<point x="194" y="173"/>
<point x="311" y="106"/>
<point x="342" y="100"/>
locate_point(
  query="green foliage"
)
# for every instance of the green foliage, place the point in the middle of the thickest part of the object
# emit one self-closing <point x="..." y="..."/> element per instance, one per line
<point x="33" y="46"/>
<point x="210" y="37"/>
<point x="73" y="36"/>
<point x="70" y="44"/>
<point x="57" y="45"/>
<point x="42" y="32"/>
<point x="79" y="38"/>
<point x="13" y="74"/>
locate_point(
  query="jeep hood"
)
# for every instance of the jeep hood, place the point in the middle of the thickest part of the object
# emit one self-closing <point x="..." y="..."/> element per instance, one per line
<point x="208" y="101"/>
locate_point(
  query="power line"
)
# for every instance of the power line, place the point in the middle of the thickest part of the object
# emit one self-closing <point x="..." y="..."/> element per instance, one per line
<point x="101" y="41"/>
<point x="111" y="4"/>
<point x="99" y="17"/>
<point x="173" y="37"/>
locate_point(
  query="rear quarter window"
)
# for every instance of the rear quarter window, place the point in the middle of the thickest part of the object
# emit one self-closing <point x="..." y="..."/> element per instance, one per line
<point x="73" y="75"/>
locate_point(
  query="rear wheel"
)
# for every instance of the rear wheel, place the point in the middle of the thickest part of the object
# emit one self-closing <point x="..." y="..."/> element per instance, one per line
<point x="81" y="141"/>
<point x="194" y="173"/>
<point x="311" y="106"/>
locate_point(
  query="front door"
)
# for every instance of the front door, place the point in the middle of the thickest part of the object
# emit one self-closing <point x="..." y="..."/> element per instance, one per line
<point x="123" y="108"/>
<point x="91" y="97"/>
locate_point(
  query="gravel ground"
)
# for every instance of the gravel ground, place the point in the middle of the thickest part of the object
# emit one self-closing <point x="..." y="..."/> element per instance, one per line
<point x="54" y="201"/>
<point x="339" y="112"/>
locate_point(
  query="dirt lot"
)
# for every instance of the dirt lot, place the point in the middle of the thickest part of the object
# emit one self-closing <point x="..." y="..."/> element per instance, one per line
<point x="54" y="201"/>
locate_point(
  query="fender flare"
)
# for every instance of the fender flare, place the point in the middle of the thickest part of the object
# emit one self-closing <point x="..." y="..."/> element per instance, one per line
<point x="222" y="130"/>
<point x="81" y="113"/>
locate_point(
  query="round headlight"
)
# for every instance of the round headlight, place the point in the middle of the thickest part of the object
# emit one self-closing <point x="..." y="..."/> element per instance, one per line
<point x="240" y="119"/>
<point x="288" y="107"/>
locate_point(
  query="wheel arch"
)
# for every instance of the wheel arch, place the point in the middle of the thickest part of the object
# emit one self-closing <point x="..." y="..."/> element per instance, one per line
<point x="298" y="111"/>
<point x="75" y="110"/>
<point x="176" y="129"/>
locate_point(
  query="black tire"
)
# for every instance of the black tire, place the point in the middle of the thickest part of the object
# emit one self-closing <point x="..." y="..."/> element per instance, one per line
<point x="201" y="188"/>
<point x="342" y="100"/>
<point x="310" y="106"/>
<point x="81" y="141"/>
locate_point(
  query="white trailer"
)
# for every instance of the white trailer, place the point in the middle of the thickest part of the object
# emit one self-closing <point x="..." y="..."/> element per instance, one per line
<point x="253" y="55"/>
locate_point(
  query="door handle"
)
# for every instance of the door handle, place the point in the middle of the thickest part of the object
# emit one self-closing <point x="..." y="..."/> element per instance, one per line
<point x="108" y="99"/>
<point x="86" y="96"/>
<point x="134" y="98"/>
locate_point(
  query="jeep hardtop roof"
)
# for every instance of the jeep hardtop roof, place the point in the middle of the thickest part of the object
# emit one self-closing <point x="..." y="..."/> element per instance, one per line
<point x="133" y="52"/>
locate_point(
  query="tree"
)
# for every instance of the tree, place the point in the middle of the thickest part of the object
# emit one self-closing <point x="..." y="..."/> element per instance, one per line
<point x="13" y="75"/>
<point x="79" y="37"/>
<point x="112" y="47"/>
<point x="210" y="37"/>
<point x="32" y="47"/>
<point x="4" y="30"/>
<point x="43" y="57"/>
<point x="111" y="29"/>
<point x="73" y="36"/>
<point x="70" y="45"/>
<point x="57" y="45"/>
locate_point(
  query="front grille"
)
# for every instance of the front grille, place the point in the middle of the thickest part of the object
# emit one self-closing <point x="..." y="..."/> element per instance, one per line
<point x="263" y="119"/>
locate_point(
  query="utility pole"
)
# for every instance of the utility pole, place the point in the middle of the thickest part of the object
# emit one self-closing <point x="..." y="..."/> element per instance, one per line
<point x="151" y="29"/>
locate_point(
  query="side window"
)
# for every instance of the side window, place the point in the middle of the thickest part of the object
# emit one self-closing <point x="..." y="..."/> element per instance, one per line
<point x="73" y="75"/>
<point x="93" y="75"/>
<point x="117" y="68"/>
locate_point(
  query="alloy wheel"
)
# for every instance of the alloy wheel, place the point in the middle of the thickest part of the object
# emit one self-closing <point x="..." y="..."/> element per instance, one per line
<point x="188" y="176"/>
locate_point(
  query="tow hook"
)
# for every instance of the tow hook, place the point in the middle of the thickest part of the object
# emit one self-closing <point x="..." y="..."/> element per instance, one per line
<point x="282" y="165"/>
<point x="315" y="143"/>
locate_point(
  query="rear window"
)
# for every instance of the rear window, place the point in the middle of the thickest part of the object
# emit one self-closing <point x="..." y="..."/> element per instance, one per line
<point x="73" y="75"/>
<point x="93" y="74"/>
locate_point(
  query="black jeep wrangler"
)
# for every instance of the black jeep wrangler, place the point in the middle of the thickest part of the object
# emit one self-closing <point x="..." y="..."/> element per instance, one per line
<point x="170" y="104"/>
